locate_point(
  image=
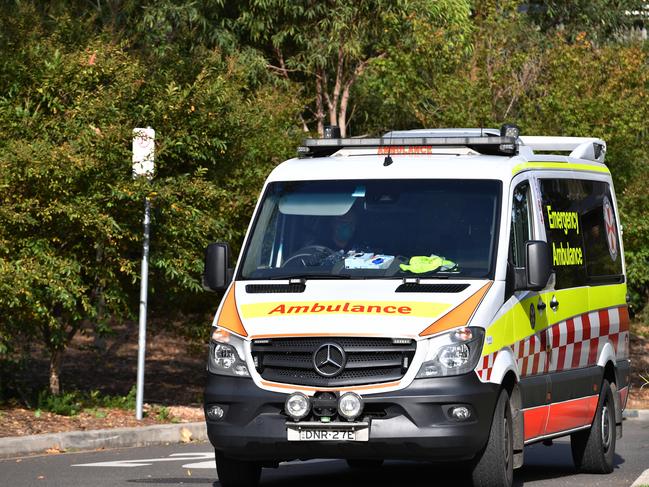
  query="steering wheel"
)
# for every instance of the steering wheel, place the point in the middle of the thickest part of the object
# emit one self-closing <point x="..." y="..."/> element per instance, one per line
<point x="305" y="256"/>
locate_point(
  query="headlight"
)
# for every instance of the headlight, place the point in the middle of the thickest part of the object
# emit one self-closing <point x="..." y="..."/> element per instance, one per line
<point x="453" y="353"/>
<point x="225" y="355"/>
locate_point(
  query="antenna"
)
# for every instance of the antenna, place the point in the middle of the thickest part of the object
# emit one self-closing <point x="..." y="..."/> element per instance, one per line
<point x="388" y="160"/>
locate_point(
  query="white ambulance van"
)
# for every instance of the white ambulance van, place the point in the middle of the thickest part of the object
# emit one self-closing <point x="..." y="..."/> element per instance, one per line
<point x="434" y="295"/>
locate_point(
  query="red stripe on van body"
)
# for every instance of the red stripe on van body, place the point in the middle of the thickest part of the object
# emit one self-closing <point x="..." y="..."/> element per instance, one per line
<point x="571" y="414"/>
<point x="576" y="355"/>
<point x="604" y="323"/>
<point x="624" y="318"/>
<point x="570" y="331"/>
<point x="535" y="420"/>
<point x="585" y="325"/>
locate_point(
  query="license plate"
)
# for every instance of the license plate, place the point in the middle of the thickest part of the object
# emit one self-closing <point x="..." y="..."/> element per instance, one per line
<point x="316" y="431"/>
<point x="327" y="435"/>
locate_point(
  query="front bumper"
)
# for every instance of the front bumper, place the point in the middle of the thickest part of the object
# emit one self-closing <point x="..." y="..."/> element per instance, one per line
<point x="412" y="423"/>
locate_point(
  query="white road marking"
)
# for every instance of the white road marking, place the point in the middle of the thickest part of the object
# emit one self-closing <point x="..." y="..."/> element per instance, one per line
<point x="642" y="480"/>
<point x="174" y="457"/>
<point x="207" y="463"/>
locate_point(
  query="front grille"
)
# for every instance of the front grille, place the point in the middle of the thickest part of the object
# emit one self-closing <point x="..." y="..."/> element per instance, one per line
<point x="297" y="287"/>
<point x="368" y="360"/>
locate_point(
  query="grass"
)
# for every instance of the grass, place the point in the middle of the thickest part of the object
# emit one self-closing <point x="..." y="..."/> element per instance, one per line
<point x="72" y="403"/>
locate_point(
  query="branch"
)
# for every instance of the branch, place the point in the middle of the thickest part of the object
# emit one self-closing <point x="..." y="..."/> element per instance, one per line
<point x="323" y="78"/>
<point x="360" y="68"/>
<point x="282" y="70"/>
<point x="282" y="65"/>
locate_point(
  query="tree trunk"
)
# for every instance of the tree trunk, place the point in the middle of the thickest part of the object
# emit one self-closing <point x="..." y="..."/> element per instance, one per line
<point x="333" y="106"/>
<point x="319" y="106"/>
<point x="342" y="114"/>
<point x="55" y="371"/>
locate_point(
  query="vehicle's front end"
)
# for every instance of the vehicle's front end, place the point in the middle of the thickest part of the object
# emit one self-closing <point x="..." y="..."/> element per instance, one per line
<point x="347" y="394"/>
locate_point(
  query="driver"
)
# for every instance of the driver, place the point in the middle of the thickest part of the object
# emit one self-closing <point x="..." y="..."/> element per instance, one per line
<point x="343" y="230"/>
<point x="336" y="242"/>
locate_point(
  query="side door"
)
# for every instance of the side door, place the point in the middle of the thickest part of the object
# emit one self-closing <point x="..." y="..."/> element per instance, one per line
<point x="530" y="340"/>
<point x="568" y="201"/>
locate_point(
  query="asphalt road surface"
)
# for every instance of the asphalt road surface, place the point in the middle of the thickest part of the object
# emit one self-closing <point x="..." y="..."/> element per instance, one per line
<point x="193" y="464"/>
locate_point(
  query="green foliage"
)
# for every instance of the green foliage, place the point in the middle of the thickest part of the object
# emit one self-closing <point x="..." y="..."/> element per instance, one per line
<point x="72" y="403"/>
<point x="329" y="46"/>
<point x="230" y="87"/>
<point x="602" y="19"/>
<point x="67" y="404"/>
<point x="70" y="218"/>
<point x="162" y="413"/>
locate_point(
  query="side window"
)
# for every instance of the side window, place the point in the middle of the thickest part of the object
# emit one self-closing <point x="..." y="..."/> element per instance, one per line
<point x="582" y="232"/>
<point x="521" y="230"/>
<point x="601" y="244"/>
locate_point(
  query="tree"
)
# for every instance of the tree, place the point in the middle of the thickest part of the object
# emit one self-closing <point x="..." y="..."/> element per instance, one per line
<point x="602" y="20"/>
<point x="329" y="46"/>
<point x="70" y="216"/>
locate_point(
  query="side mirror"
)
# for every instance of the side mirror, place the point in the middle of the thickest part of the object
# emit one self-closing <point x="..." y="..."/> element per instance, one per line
<point x="538" y="266"/>
<point x="217" y="273"/>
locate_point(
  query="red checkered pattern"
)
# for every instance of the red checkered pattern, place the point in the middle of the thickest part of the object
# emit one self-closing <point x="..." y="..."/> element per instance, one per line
<point x="574" y="343"/>
<point x="486" y="366"/>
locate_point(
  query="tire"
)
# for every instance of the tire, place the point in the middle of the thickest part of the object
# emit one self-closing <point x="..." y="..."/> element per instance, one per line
<point x="237" y="473"/>
<point x="364" y="464"/>
<point x="593" y="450"/>
<point x="494" y="465"/>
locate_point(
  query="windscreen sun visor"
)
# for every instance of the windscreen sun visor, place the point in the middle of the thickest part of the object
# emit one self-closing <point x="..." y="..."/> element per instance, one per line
<point x="317" y="204"/>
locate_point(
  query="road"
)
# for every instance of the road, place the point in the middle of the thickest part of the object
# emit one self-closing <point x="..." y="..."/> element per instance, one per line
<point x="193" y="464"/>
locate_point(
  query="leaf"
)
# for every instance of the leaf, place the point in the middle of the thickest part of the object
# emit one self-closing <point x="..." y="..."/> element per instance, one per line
<point x="185" y="435"/>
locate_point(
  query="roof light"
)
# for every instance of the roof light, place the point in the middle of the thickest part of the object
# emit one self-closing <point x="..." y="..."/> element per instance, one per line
<point x="510" y="130"/>
<point x="332" y="132"/>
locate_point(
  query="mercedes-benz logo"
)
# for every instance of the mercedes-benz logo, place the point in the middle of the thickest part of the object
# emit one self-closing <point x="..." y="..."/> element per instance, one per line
<point x="329" y="359"/>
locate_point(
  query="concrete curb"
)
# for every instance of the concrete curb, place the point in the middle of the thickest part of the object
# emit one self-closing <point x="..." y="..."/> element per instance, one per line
<point x="639" y="414"/>
<point x="111" y="438"/>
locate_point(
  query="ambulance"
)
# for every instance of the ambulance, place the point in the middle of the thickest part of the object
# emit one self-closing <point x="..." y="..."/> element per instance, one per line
<point x="440" y="295"/>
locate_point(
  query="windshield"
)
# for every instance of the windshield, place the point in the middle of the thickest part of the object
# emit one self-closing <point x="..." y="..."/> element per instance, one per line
<point x="374" y="229"/>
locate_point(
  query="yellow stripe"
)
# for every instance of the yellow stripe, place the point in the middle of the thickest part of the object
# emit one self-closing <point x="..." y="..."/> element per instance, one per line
<point x="374" y="308"/>
<point x="514" y="326"/>
<point x="560" y="165"/>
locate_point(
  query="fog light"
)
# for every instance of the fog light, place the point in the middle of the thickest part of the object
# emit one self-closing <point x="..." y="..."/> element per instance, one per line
<point x="241" y="370"/>
<point x="460" y="413"/>
<point x="215" y="413"/>
<point x="297" y="406"/>
<point x="350" y="406"/>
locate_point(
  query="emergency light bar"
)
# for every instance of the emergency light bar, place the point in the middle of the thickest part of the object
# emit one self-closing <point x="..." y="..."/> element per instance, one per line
<point x="490" y="145"/>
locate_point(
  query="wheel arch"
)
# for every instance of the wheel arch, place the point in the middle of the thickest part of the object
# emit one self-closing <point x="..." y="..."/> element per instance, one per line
<point x="510" y="384"/>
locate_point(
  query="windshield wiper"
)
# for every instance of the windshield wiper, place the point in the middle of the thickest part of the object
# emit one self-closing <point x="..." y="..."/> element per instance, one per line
<point x="310" y="276"/>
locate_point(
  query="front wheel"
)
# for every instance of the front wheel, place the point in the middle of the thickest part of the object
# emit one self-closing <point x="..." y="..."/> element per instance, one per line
<point x="237" y="473"/>
<point x="593" y="450"/>
<point x="494" y="465"/>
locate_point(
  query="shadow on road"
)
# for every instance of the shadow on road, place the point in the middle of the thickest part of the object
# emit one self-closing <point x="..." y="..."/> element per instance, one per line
<point x="541" y="463"/>
<point x="176" y="481"/>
